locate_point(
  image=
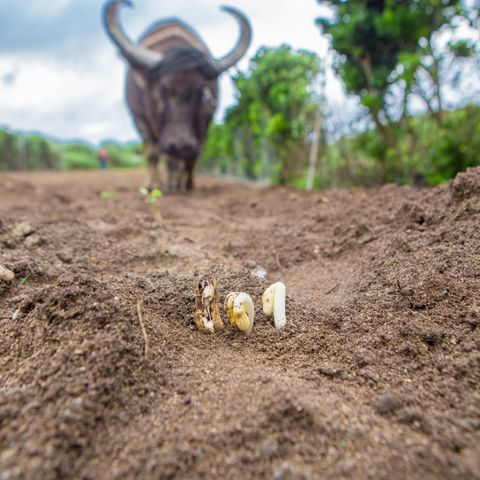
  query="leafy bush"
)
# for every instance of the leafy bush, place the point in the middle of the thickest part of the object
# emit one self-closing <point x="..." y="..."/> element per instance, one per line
<point x="424" y="150"/>
<point x="79" y="156"/>
<point x="21" y="152"/>
<point x="128" y="156"/>
<point x="457" y="145"/>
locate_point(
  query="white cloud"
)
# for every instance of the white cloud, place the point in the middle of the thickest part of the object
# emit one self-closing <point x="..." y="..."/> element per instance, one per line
<point x="65" y="102"/>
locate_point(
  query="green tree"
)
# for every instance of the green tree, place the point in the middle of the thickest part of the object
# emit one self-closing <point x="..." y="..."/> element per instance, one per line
<point x="380" y="42"/>
<point x="383" y="44"/>
<point x="8" y="151"/>
<point x="267" y="130"/>
<point x="218" y="150"/>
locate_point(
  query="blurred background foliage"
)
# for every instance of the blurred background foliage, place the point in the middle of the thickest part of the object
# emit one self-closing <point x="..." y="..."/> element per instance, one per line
<point x="265" y="135"/>
<point x="409" y="67"/>
<point x="34" y="152"/>
<point x="413" y="67"/>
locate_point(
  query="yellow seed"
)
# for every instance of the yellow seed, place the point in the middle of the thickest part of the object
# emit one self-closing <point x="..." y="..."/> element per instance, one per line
<point x="243" y="322"/>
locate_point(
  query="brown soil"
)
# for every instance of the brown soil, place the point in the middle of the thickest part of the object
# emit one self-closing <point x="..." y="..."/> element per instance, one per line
<point x="375" y="376"/>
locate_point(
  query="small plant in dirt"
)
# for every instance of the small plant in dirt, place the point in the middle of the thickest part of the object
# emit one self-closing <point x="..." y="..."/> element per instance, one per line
<point x="151" y="199"/>
<point x="106" y="195"/>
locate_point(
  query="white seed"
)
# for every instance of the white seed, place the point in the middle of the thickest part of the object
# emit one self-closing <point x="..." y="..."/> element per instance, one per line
<point x="273" y="301"/>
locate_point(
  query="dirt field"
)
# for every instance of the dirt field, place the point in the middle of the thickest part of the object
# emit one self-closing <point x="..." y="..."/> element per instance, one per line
<point x="375" y="376"/>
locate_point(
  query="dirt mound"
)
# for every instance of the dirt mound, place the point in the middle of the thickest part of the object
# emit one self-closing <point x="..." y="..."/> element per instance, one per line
<point x="70" y="360"/>
<point x="375" y="375"/>
<point x="466" y="185"/>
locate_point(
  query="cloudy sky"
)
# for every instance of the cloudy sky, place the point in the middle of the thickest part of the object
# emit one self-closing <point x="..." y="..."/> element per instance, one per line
<point x="60" y="75"/>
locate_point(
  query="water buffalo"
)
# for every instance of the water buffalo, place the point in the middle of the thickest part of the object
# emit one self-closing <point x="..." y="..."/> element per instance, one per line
<point x="172" y="89"/>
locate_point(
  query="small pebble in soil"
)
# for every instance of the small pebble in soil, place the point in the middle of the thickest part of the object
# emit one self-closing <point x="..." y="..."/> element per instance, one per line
<point x="250" y="264"/>
<point x="330" y="370"/>
<point x="260" y="273"/>
<point x="33" y="240"/>
<point x="384" y="404"/>
<point x="22" y="230"/>
<point x="6" y="275"/>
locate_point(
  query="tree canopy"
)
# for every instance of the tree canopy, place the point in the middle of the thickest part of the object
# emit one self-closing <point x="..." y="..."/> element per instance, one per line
<point x="380" y="42"/>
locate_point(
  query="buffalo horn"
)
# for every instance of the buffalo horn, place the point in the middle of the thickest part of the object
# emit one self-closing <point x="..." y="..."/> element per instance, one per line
<point x="136" y="55"/>
<point x="181" y="59"/>
<point x="223" y="64"/>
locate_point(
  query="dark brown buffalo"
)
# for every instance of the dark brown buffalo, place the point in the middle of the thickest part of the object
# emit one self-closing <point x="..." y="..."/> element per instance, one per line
<point x="172" y="89"/>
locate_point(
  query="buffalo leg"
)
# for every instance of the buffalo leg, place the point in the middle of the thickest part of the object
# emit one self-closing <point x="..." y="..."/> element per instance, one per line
<point x="175" y="173"/>
<point x="152" y="158"/>
<point x="189" y="168"/>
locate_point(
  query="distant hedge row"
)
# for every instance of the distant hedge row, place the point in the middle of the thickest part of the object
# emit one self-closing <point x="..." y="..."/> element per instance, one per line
<point x="34" y="152"/>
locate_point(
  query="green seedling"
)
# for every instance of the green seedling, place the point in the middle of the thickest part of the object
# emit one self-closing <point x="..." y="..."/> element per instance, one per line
<point x="151" y="199"/>
<point x="106" y="195"/>
<point x="24" y="280"/>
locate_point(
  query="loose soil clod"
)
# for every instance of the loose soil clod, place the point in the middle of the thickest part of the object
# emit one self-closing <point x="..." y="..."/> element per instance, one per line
<point x="6" y="275"/>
